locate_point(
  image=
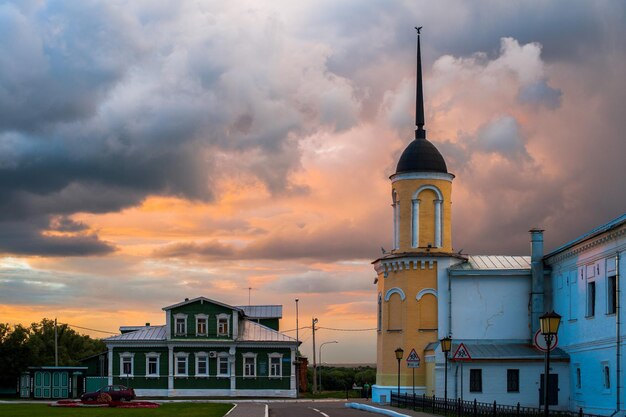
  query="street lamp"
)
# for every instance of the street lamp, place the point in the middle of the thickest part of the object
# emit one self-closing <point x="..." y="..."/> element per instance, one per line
<point x="322" y="345"/>
<point x="399" y="353"/>
<point x="446" y="346"/>
<point x="549" y="324"/>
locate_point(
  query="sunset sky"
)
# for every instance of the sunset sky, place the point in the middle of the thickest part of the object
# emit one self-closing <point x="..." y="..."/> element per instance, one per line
<point x="157" y="150"/>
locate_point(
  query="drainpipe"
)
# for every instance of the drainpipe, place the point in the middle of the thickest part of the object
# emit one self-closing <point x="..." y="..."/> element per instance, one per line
<point x="449" y="306"/>
<point x="536" y="289"/>
<point x="618" y="344"/>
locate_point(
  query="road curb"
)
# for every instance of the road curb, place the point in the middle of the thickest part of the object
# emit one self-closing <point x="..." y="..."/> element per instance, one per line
<point x="373" y="409"/>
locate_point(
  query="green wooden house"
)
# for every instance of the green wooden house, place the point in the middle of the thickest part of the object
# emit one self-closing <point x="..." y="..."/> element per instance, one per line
<point x="206" y="348"/>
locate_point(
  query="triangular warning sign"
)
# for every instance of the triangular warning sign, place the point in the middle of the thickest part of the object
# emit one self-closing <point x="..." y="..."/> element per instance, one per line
<point x="413" y="356"/>
<point x="461" y="354"/>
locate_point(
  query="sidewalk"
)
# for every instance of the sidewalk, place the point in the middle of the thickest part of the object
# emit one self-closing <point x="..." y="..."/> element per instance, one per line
<point x="385" y="409"/>
<point x="248" y="409"/>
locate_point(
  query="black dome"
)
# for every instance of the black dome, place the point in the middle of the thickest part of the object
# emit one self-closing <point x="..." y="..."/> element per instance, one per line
<point x="419" y="156"/>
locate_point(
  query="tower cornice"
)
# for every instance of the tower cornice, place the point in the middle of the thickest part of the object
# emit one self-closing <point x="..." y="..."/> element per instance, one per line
<point x="422" y="176"/>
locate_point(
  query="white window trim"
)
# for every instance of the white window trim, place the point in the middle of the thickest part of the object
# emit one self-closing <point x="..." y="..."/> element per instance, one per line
<point x="244" y="357"/>
<point x="185" y="356"/>
<point x="223" y="316"/>
<point x="202" y="356"/>
<point x="220" y="357"/>
<point x="149" y="356"/>
<point x="280" y="364"/>
<point x="176" y="317"/>
<point x="415" y="207"/>
<point x="131" y="356"/>
<point x="206" y="324"/>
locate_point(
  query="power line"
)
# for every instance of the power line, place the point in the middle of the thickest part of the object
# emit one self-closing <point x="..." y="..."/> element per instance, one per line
<point x="293" y="330"/>
<point x="348" y="330"/>
<point x="87" y="328"/>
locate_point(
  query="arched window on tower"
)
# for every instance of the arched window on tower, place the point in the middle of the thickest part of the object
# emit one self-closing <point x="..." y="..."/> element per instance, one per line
<point x="427" y="309"/>
<point x="396" y="219"/>
<point x="394" y="299"/>
<point x="427" y="217"/>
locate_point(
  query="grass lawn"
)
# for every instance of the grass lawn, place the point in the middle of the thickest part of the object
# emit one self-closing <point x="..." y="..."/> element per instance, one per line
<point x="169" y="410"/>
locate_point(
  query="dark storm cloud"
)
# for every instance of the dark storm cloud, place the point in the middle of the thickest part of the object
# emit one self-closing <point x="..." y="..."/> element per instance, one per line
<point x="102" y="105"/>
<point x="56" y="64"/>
<point x="27" y="238"/>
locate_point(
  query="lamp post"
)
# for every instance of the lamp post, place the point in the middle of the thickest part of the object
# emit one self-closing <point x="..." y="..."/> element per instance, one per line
<point x="399" y="354"/>
<point x="549" y="324"/>
<point x="321" y="346"/>
<point x="446" y="346"/>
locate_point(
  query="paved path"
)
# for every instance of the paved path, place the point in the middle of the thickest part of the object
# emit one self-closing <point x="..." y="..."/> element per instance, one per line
<point x="248" y="409"/>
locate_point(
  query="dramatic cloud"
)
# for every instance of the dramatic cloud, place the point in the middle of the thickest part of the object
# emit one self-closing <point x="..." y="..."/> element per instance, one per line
<point x="153" y="151"/>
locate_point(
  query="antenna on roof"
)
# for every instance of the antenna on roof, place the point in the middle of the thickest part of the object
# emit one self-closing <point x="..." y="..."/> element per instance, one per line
<point x="249" y="292"/>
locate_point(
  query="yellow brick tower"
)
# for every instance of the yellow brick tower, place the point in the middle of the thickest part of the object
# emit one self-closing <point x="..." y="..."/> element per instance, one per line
<point x="412" y="278"/>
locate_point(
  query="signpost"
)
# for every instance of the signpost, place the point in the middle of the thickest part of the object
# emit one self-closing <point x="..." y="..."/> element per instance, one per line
<point x="462" y="355"/>
<point x="413" y="361"/>
<point x="540" y="342"/>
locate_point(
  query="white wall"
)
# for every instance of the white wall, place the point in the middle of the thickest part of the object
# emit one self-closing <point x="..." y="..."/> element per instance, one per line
<point x="490" y="307"/>
<point x="494" y="382"/>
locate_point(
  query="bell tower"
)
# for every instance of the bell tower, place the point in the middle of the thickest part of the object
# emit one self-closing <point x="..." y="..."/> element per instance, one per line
<point x="412" y="278"/>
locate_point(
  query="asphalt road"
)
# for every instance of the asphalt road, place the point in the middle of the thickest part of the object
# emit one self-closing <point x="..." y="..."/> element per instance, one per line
<point x="314" y="409"/>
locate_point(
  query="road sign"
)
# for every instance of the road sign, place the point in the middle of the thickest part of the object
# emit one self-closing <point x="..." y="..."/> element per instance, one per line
<point x="540" y="342"/>
<point x="413" y="360"/>
<point x="462" y="354"/>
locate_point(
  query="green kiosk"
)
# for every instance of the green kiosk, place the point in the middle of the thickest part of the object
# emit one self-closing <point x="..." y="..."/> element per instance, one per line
<point x="52" y="382"/>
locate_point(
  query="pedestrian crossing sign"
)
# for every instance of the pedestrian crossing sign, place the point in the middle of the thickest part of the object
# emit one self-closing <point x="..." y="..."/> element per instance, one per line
<point x="461" y="354"/>
<point x="413" y="360"/>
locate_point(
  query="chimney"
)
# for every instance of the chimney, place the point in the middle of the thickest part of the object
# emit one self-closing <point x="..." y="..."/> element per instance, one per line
<point x="536" y="270"/>
<point x="186" y="299"/>
<point x="147" y="324"/>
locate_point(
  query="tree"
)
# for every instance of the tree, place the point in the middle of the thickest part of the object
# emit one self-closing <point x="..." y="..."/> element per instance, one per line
<point x="21" y="347"/>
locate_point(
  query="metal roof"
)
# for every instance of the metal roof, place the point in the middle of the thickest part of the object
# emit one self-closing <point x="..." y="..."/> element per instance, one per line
<point x="613" y="224"/>
<point x="493" y="263"/>
<point x="255" y="332"/>
<point x="249" y="332"/>
<point x="263" y="312"/>
<point x="203" y="299"/>
<point x="507" y="351"/>
<point x="151" y="333"/>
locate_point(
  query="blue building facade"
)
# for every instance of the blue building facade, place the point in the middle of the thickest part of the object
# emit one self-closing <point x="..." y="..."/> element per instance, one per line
<point x="584" y="287"/>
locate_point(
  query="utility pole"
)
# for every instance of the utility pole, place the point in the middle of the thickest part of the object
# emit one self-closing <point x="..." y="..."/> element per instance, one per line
<point x="314" y="363"/>
<point x="56" y="344"/>
<point x="297" y="353"/>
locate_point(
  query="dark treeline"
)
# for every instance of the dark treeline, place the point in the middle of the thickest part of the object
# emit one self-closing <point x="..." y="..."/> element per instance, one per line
<point x="21" y="347"/>
<point x="340" y="378"/>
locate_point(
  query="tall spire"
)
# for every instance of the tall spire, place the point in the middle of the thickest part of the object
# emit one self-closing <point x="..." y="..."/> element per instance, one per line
<point x="419" y="94"/>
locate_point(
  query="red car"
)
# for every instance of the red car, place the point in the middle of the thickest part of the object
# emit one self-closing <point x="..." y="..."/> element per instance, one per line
<point x="117" y="393"/>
